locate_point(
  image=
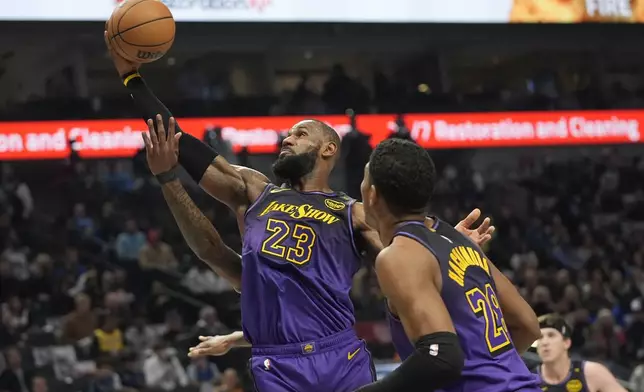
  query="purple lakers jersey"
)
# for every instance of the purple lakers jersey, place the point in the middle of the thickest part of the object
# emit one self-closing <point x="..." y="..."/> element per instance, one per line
<point x="491" y="362"/>
<point x="299" y="259"/>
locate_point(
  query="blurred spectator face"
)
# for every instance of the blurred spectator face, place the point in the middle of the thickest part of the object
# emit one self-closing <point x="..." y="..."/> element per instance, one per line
<point x="131" y="226"/>
<point x="110" y="324"/>
<point x="79" y="210"/>
<point x="200" y="362"/>
<point x="107" y="209"/>
<point x="15" y="305"/>
<point x="563" y="278"/>
<point x="230" y="378"/>
<point x="5" y="268"/>
<point x="605" y="319"/>
<point x="39" y="384"/>
<point x="83" y="303"/>
<point x="209" y="315"/>
<point x="552" y="345"/>
<point x="154" y="236"/>
<point x="571" y="293"/>
<point x="14" y="359"/>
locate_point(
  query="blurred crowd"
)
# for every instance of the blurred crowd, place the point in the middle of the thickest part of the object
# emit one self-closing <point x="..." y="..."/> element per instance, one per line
<point x="98" y="291"/>
<point x="194" y="90"/>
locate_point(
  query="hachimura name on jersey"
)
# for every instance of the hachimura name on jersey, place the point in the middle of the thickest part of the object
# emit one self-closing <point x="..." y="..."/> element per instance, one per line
<point x="469" y="293"/>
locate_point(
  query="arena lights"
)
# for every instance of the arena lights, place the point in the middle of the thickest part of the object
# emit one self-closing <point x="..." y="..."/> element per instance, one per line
<point x="260" y="135"/>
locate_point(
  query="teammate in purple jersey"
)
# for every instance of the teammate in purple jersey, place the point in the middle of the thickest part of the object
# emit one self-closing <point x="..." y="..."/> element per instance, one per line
<point x="441" y="287"/>
<point x="302" y="246"/>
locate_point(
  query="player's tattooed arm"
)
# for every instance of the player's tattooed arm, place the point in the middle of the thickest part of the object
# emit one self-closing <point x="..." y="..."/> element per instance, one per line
<point x="600" y="379"/>
<point x="235" y="186"/>
<point x="517" y="313"/>
<point x="201" y="235"/>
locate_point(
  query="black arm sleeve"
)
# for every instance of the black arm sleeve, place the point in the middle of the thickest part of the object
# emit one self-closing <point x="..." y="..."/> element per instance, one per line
<point x="194" y="155"/>
<point x="148" y="103"/>
<point x="436" y="363"/>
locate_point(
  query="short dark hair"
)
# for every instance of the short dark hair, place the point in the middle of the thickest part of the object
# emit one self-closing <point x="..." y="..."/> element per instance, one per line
<point x="556" y="321"/>
<point x="404" y="174"/>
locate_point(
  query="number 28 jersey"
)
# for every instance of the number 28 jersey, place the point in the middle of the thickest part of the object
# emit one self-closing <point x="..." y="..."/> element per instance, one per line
<point x="469" y="293"/>
<point x="299" y="258"/>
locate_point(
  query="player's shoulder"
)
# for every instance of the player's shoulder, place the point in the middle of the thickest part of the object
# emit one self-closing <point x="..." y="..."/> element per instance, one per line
<point x="251" y="174"/>
<point x="591" y="368"/>
<point x="403" y="252"/>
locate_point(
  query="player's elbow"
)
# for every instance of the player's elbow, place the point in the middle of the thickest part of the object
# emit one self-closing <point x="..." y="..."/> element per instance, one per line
<point x="442" y="353"/>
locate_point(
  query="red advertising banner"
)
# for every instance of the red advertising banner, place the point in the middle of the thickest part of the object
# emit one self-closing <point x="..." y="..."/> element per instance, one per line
<point x="122" y="138"/>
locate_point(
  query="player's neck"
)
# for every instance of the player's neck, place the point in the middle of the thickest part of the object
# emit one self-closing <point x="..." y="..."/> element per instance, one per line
<point x="313" y="182"/>
<point x="388" y="224"/>
<point x="557" y="371"/>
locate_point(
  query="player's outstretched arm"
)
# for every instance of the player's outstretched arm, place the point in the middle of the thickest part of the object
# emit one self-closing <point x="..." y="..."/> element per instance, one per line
<point x="600" y="379"/>
<point x="236" y="187"/>
<point x="480" y="235"/>
<point x="218" y="345"/>
<point x="412" y="289"/>
<point x="197" y="230"/>
<point x="517" y="313"/>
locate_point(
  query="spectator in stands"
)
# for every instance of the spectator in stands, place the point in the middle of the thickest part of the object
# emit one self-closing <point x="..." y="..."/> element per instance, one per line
<point x="105" y="379"/>
<point x="202" y="281"/>
<point x="209" y="324"/>
<point x="129" y="242"/>
<point x="15" y="318"/>
<point x="156" y="254"/>
<point x="39" y="384"/>
<point x="108" y="339"/>
<point x="14" y="378"/>
<point x="82" y="322"/>
<point x="230" y="382"/>
<point x="163" y="370"/>
<point x="131" y="374"/>
<point x="140" y="336"/>
<point x="16" y="255"/>
<point x="81" y="222"/>
<point x="635" y="331"/>
<point x="607" y="339"/>
<point x="203" y="374"/>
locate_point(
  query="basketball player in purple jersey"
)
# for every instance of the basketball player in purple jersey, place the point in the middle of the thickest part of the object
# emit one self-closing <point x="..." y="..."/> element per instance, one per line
<point x="441" y="287"/>
<point x="302" y="244"/>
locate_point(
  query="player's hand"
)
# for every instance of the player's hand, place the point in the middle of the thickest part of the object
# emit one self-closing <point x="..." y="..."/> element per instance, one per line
<point x="481" y="234"/>
<point x="211" y="345"/>
<point x="161" y="147"/>
<point x="122" y="65"/>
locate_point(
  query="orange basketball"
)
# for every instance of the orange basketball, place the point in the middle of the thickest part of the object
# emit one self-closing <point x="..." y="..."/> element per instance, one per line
<point x="141" y="30"/>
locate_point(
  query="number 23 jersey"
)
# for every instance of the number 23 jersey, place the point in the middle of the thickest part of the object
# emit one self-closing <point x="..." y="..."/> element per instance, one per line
<point x="299" y="258"/>
<point x="469" y="293"/>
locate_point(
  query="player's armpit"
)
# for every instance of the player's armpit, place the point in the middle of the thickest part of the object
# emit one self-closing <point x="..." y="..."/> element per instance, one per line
<point x="600" y="379"/>
<point x="200" y="234"/>
<point x="518" y="314"/>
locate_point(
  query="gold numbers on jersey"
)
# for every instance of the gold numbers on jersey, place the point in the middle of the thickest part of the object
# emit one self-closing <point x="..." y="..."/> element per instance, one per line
<point x="485" y="305"/>
<point x="279" y="232"/>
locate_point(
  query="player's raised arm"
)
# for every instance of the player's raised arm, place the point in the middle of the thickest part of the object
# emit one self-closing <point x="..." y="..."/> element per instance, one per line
<point x="518" y="314"/>
<point x="232" y="186"/>
<point x="197" y="230"/>
<point x="600" y="379"/>
<point x="404" y="270"/>
<point x="373" y="245"/>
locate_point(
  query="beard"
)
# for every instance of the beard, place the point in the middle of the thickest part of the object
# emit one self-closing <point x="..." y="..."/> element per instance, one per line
<point x="292" y="168"/>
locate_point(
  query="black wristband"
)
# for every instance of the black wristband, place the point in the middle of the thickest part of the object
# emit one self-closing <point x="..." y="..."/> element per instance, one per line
<point x="167" y="176"/>
<point x="195" y="156"/>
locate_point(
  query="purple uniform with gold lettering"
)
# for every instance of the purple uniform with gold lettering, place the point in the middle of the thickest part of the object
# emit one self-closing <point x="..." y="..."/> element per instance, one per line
<point x="491" y="362"/>
<point x="299" y="258"/>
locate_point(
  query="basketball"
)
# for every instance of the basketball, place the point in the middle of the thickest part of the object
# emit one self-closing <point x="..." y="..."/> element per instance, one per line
<point x="141" y="31"/>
